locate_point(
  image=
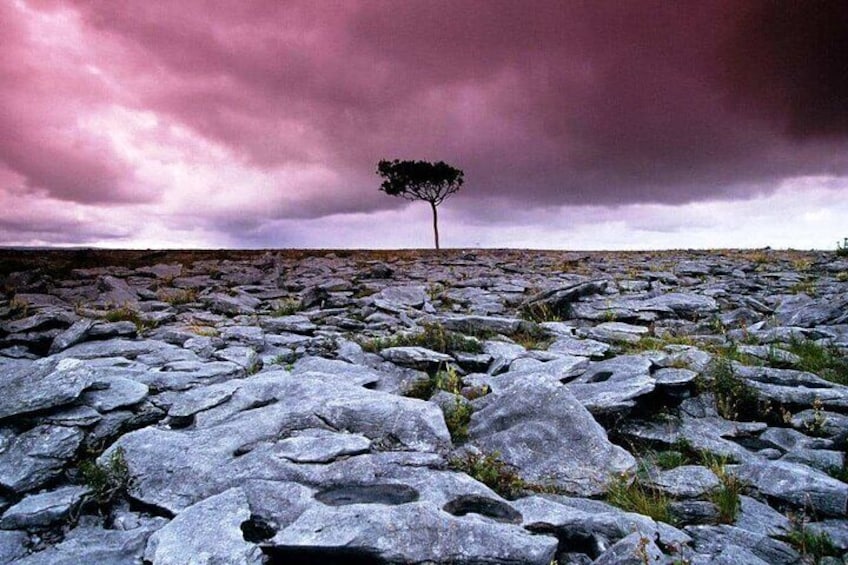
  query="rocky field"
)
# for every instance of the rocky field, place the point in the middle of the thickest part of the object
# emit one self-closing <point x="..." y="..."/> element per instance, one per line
<point x="410" y="407"/>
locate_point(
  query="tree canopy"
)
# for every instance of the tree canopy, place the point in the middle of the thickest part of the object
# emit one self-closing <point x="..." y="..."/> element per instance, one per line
<point x="421" y="180"/>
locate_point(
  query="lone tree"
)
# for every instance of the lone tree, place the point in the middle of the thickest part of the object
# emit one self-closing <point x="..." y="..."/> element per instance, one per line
<point x="421" y="180"/>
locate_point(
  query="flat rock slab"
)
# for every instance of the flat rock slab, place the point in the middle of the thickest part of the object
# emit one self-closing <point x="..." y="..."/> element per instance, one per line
<point x="28" y="387"/>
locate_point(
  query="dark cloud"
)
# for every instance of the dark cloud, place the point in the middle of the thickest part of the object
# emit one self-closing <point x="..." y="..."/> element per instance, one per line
<point x="542" y="103"/>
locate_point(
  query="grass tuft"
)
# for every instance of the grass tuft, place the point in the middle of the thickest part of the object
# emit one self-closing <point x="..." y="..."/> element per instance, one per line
<point x="107" y="481"/>
<point x="640" y="498"/>
<point x="432" y="336"/>
<point x="491" y="471"/>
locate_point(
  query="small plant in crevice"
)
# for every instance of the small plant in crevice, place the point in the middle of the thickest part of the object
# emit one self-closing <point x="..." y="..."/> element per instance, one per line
<point x="816" y="425"/>
<point x="177" y="297"/>
<point x="809" y="543"/>
<point x="733" y="396"/>
<point x="432" y="336"/>
<point x="670" y="459"/>
<point x="128" y="314"/>
<point x="446" y="379"/>
<point x="108" y="480"/>
<point x="287" y="307"/>
<point x="457" y="418"/>
<point x="18" y="308"/>
<point x="726" y="495"/>
<point x="635" y="496"/>
<point x="532" y="336"/>
<point x="539" y="312"/>
<point x="492" y="471"/>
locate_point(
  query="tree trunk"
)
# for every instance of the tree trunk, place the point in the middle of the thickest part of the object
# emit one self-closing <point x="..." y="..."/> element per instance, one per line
<point x="435" y="224"/>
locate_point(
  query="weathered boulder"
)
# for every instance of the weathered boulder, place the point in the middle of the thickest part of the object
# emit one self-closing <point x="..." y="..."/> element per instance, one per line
<point x="540" y="428"/>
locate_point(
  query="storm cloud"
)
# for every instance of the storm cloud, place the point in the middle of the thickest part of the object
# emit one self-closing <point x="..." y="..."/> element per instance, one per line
<point x="223" y="118"/>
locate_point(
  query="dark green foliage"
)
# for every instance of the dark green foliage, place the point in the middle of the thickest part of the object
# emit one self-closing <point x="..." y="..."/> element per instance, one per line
<point x="491" y="471"/>
<point x="421" y="180"/>
<point x="107" y="481"/>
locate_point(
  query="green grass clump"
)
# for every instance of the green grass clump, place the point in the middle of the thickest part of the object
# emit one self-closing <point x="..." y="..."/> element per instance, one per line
<point x="128" y="314"/>
<point x="491" y="471"/>
<point x="809" y="543"/>
<point x="107" y="481"/>
<point x="726" y="496"/>
<point x="287" y="307"/>
<point x="640" y="498"/>
<point x="733" y="396"/>
<point x="670" y="459"/>
<point x="539" y="312"/>
<point x="532" y="337"/>
<point x="825" y="361"/>
<point x="432" y="336"/>
<point x="177" y="297"/>
<point x="446" y="379"/>
<point x="457" y="419"/>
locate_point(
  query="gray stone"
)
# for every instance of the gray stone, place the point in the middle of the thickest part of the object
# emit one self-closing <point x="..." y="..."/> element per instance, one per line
<point x="220" y="303"/>
<point x="398" y="298"/>
<point x="43" y="509"/>
<point x="417" y="357"/>
<point x="240" y="438"/>
<point x="590" y="526"/>
<point x="559" y="300"/>
<point x="615" y="332"/>
<point x="28" y="387"/>
<point x="207" y="532"/>
<point x="93" y="544"/>
<point x="321" y="446"/>
<point x="472" y="324"/>
<point x="45" y="319"/>
<point x="37" y="456"/>
<point x="672" y="378"/>
<point x="115" y="292"/>
<point x="245" y="335"/>
<point x="574" y="346"/>
<point x="118" y="393"/>
<point x="421" y="532"/>
<point x="13" y="545"/>
<point x="539" y="427"/>
<point x="761" y="518"/>
<point x="634" y="549"/>
<point x="686" y="481"/>
<point x="297" y="324"/>
<point x="109" y="330"/>
<point x="241" y="355"/>
<point x="715" y="539"/>
<point x="71" y="336"/>
<point x="354" y="374"/>
<point x="613" y="385"/>
<point x="797" y="485"/>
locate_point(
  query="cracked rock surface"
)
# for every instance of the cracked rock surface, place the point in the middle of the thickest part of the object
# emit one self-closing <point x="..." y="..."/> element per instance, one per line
<point x="497" y="407"/>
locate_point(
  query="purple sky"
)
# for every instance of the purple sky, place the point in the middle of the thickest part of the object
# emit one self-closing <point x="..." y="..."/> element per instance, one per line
<point x="581" y="124"/>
